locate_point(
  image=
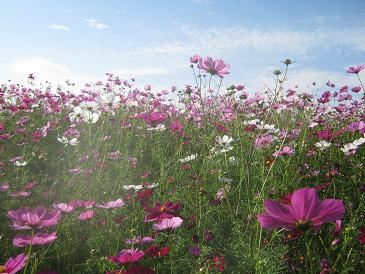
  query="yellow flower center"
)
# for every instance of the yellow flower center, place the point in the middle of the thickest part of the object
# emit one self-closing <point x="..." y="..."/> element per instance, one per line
<point x="162" y="209"/>
<point x="2" y="269"/>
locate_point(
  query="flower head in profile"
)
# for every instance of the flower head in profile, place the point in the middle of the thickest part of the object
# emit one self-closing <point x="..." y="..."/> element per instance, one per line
<point x="356" y="69"/>
<point x="195" y="59"/>
<point x="127" y="256"/>
<point x="27" y="218"/>
<point x="305" y="211"/>
<point x="284" y="151"/>
<point x="37" y="239"/>
<point x="216" y="67"/>
<point x="86" y="215"/>
<point x="111" y="204"/>
<point x="172" y="223"/>
<point x="13" y="265"/>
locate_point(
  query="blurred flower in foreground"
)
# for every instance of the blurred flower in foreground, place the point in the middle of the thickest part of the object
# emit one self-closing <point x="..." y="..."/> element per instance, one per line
<point x="305" y="211"/>
<point x="13" y="265"/>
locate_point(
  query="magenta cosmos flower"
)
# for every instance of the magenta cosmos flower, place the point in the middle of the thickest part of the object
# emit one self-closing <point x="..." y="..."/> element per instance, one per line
<point x="162" y="211"/>
<point x="356" y="69"/>
<point x="127" y="256"/>
<point x="37" y="239"/>
<point x="13" y="265"/>
<point x="27" y="218"/>
<point x="172" y="223"/>
<point x="305" y="211"/>
<point x="216" y="67"/>
<point x="284" y="151"/>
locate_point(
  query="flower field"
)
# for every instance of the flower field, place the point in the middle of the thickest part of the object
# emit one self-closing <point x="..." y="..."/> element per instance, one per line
<point x="117" y="178"/>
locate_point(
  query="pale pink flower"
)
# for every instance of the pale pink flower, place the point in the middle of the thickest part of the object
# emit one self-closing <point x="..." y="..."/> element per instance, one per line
<point x="63" y="207"/>
<point x="172" y="223"/>
<point x="111" y="204"/>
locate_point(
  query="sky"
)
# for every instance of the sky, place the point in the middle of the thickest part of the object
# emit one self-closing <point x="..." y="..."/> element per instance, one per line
<point x="152" y="41"/>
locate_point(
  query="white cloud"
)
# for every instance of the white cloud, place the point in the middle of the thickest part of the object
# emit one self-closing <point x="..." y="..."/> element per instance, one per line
<point x="43" y="69"/>
<point x="96" y="25"/>
<point x="59" y="27"/>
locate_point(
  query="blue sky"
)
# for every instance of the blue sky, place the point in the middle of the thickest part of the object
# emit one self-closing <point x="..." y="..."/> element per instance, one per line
<point x="153" y="40"/>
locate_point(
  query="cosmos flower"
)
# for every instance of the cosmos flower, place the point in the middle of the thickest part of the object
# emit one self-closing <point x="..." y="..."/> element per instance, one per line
<point x="111" y="204"/>
<point x="27" y="218"/>
<point x="162" y="211"/>
<point x="305" y="211"/>
<point x="86" y="215"/>
<point x="216" y="67"/>
<point x="356" y="69"/>
<point x="13" y="265"/>
<point x="37" y="239"/>
<point x="166" y="223"/>
<point x="140" y="240"/>
<point x="195" y="59"/>
<point x="63" y="207"/>
<point x="188" y="158"/>
<point x="283" y="151"/>
<point x="127" y="256"/>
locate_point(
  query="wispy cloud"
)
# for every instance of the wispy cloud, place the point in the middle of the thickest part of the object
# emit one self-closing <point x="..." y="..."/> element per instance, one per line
<point x="96" y="25"/>
<point x="204" y="2"/>
<point x="151" y="71"/>
<point x="278" y="41"/>
<point x="59" y="27"/>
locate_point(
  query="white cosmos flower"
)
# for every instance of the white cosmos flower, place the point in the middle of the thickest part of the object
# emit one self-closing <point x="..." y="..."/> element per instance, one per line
<point x="109" y="99"/>
<point x="188" y="158"/>
<point x="134" y="187"/>
<point x="159" y="127"/>
<point x="17" y="163"/>
<point x="76" y="114"/>
<point x="90" y="117"/>
<point x="65" y="141"/>
<point x="322" y="145"/>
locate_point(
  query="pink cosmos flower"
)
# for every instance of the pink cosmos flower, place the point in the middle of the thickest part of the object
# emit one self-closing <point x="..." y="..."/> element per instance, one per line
<point x="172" y="223"/>
<point x="356" y="69"/>
<point x="284" y="151"/>
<point x="63" y="207"/>
<point x="305" y="211"/>
<point x="127" y="256"/>
<point x="86" y="215"/>
<point x="195" y="59"/>
<point x="216" y="67"/>
<point x="27" y="218"/>
<point x="4" y="186"/>
<point x="13" y="265"/>
<point x="2" y="126"/>
<point x="140" y="240"/>
<point x="111" y="204"/>
<point x="37" y="239"/>
<point x="20" y="194"/>
<point x="356" y="89"/>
